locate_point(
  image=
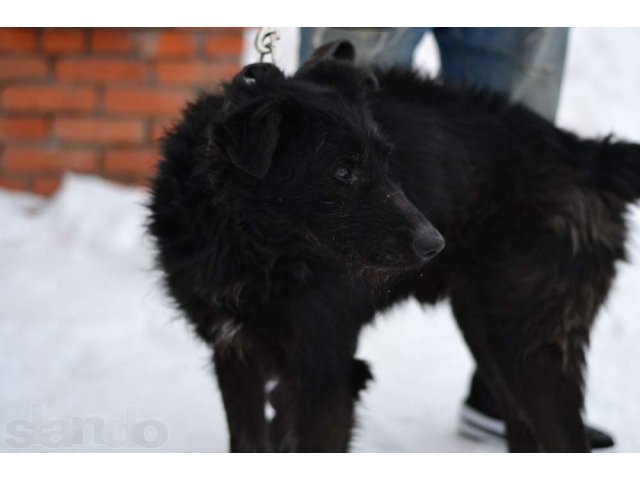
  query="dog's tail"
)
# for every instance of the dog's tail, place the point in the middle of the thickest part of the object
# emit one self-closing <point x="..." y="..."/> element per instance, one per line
<point x="617" y="167"/>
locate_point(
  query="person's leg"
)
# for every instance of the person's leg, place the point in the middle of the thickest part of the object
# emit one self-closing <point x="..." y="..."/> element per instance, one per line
<point x="524" y="63"/>
<point x="377" y="46"/>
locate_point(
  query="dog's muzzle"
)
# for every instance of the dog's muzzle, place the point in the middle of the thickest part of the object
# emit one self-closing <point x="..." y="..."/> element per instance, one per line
<point x="428" y="242"/>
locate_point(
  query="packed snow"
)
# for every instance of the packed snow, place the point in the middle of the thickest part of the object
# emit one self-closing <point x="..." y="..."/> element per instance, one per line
<point x="94" y="358"/>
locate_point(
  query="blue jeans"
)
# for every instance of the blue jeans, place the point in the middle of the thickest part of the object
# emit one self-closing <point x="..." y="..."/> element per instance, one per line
<point x="526" y="64"/>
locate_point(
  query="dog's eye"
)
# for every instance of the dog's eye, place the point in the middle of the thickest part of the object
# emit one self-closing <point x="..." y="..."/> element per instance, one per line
<point x="345" y="175"/>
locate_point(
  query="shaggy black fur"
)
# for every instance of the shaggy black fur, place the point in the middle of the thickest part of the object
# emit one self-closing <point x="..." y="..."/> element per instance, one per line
<point x="288" y="211"/>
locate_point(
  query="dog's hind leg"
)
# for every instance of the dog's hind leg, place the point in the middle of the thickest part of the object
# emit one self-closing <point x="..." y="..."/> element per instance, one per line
<point x="520" y="436"/>
<point x="242" y="385"/>
<point x="550" y="391"/>
<point x="538" y="388"/>
<point x="527" y="319"/>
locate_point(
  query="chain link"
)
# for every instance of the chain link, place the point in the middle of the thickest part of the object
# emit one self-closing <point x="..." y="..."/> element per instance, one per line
<point x="265" y="43"/>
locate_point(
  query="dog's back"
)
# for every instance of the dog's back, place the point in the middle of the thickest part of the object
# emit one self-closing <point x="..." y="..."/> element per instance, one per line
<point x="479" y="166"/>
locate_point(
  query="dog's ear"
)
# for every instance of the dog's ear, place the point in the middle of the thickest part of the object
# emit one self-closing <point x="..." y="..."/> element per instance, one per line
<point x="337" y="50"/>
<point x="252" y="81"/>
<point x="333" y="64"/>
<point x="248" y="136"/>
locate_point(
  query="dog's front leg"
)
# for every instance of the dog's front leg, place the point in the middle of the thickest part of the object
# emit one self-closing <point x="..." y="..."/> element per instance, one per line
<point x="242" y="385"/>
<point x="319" y="378"/>
<point x="320" y="411"/>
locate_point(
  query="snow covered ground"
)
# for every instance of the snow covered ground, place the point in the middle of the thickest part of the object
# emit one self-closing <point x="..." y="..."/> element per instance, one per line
<point x="93" y="358"/>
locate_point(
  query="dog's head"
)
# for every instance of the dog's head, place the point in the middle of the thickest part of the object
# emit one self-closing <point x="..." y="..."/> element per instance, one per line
<point x="307" y="151"/>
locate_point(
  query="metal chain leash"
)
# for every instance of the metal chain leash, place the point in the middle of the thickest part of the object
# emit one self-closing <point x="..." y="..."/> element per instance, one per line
<point x="265" y="43"/>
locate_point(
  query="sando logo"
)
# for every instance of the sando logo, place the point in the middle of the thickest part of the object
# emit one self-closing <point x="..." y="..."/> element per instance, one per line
<point x="73" y="431"/>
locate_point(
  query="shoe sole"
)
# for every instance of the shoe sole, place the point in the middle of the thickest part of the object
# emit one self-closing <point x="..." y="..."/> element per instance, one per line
<point x="479" y="427"/>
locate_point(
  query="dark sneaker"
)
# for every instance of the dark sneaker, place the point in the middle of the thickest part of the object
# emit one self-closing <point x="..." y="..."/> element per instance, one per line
<point x="481" y="421"/>
<point x="599" y="440"/>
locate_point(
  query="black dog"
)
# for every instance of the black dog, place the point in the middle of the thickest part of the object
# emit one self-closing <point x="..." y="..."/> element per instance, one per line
<point x="290" y="210"/>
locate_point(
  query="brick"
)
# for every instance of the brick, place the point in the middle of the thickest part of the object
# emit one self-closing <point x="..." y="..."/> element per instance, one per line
<point x="63" y="40"/>
<point x="111" y="40"/>
<point x="193" y="73"/>
<point x="134" y="180"/>
<point x="159" y="127"/>
<point x="98" y="130"/>
<point x="23" y="128"/>
<point x="13" y="183"/>
<point x="143" y="181"/>
<point x="18" y="40"/>
<point x="40" y="160"/>
<point x="168" y="44"/>
<point x="228" y="44"/>
<point x="146" y="101"/>
<point x="136" y="161"/>
<point x="46" y="185"/>
<point x="91" y="70"/>
<point x="23" y="69"/>
<point x="47" y="98"/>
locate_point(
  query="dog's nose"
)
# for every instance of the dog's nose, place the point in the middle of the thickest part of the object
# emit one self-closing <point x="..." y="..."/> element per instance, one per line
<point x="428" y="242"/>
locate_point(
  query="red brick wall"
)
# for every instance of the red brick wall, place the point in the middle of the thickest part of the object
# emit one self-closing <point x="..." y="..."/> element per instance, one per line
<point x="95" y="100"/>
